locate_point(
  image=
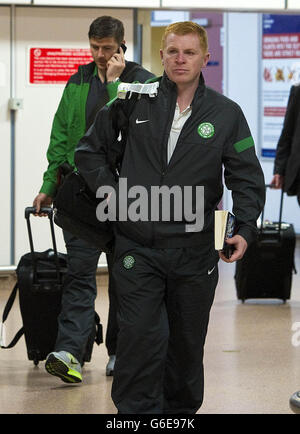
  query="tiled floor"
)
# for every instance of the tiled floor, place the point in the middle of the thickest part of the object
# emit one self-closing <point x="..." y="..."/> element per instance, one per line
<point x="251" y="364"/>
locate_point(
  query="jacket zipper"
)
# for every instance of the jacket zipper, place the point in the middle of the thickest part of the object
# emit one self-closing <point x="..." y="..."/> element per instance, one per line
<point x="164" y="146"/>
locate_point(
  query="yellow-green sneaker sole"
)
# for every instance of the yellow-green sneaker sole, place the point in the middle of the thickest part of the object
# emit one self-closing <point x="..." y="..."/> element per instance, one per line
<point x="57" y="367"/>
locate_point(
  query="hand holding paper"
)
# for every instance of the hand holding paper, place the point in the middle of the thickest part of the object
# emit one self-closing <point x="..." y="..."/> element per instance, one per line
<point x="231" y="246"/>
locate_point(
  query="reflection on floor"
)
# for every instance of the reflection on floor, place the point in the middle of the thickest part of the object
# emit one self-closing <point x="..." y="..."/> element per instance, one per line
<point x="252" y="359"/>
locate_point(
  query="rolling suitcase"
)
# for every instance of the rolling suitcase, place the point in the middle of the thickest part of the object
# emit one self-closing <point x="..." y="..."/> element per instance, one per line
<point x="39" y="281"/>
<point x="266" y="269"/>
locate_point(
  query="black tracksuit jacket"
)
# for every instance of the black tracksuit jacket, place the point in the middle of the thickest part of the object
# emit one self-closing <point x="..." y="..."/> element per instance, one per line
<point x="198" y="160"/>
<point x="287" y="161"/>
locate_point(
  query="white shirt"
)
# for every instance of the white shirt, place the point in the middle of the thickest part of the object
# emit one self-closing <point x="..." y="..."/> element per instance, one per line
<point x="177" y="125"/>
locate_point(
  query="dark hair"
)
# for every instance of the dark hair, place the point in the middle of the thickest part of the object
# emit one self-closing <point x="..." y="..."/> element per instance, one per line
<point x="107" y="27"/>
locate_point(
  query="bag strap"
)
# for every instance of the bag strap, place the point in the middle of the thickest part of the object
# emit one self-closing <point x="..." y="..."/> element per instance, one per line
<point x="10" y="302"/>
<point x="120" y="113"/>
<point x="6" y="311"/>
<point x="18" y="335"/>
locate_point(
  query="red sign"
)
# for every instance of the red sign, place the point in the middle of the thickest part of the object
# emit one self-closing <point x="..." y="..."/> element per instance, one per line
<point x="56" y="65"/>
<point x="274" y="111"/>
<point x="282" y="46"/>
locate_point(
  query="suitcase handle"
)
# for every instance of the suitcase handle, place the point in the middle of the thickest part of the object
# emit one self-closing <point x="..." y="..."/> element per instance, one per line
<point x="46" y="210"/>
<point x="280" y="210"/>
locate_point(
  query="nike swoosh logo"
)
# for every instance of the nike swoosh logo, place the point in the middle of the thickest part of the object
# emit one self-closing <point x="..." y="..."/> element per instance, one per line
<point x="141" y="122"/>
<point x="210" y="271"/>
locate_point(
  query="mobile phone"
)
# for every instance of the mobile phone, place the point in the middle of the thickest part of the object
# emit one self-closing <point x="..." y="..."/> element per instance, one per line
<point x="124" y="48"/>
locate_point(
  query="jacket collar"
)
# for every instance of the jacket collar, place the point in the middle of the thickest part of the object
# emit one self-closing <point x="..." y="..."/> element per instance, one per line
<point x="87" y="71"/>
<point x="167" y="82"/>
<point x="170" y="85"/>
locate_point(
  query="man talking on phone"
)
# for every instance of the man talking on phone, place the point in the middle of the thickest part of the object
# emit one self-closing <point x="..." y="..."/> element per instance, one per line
<point x="85" y="94"/>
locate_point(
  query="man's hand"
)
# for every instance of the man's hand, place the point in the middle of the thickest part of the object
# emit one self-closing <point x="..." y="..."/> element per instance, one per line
<point x="115" y="66"/>
<point x="42" y="200"/>
<point x="277" y="181"/>
<point x="240" y="245"/>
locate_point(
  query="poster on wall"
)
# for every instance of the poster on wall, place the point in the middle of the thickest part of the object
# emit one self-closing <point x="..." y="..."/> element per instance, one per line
<point x="55" y="65"/>
<point x="280" y="70"/>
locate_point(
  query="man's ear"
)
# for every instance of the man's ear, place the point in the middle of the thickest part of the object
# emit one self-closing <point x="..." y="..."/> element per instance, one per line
<point x="206" y="59"/>
<point x="161" y="55"/>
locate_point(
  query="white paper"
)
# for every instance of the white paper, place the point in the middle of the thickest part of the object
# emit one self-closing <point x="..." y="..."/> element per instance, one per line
<point x="140" y="88"/>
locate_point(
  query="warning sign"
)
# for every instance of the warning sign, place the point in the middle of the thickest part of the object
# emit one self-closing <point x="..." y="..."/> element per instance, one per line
<point x="56" y="65"/>
<point x="282" y="46"/>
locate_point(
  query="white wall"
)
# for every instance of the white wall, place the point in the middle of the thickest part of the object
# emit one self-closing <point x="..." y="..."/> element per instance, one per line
<point x="5" y="135"/>
<point x="242" y="77"/>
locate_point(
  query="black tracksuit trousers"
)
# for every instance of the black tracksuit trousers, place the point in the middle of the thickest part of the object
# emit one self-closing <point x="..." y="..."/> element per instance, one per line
<point x="164" y="300"/>
<point x="77" y="317"/>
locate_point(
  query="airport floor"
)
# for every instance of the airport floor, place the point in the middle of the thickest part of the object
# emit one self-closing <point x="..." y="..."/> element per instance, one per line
<point x="252" y="359"/>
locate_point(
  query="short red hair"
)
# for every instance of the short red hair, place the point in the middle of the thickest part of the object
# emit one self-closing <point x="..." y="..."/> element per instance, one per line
<point x="184" y="28"/>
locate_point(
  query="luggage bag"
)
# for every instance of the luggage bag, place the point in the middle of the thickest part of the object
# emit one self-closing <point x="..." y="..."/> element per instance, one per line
<point x="39" y="281"/>
<point x="266" y="269"/>
<point x="75" y="211"/>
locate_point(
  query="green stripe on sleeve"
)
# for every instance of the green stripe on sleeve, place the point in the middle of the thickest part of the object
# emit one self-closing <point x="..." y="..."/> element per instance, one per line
<point x="244" y="144"/>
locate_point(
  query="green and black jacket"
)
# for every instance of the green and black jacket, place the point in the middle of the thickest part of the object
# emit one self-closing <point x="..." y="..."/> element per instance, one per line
<point x="215" y="143"/>
<point x="69" y="123"/>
